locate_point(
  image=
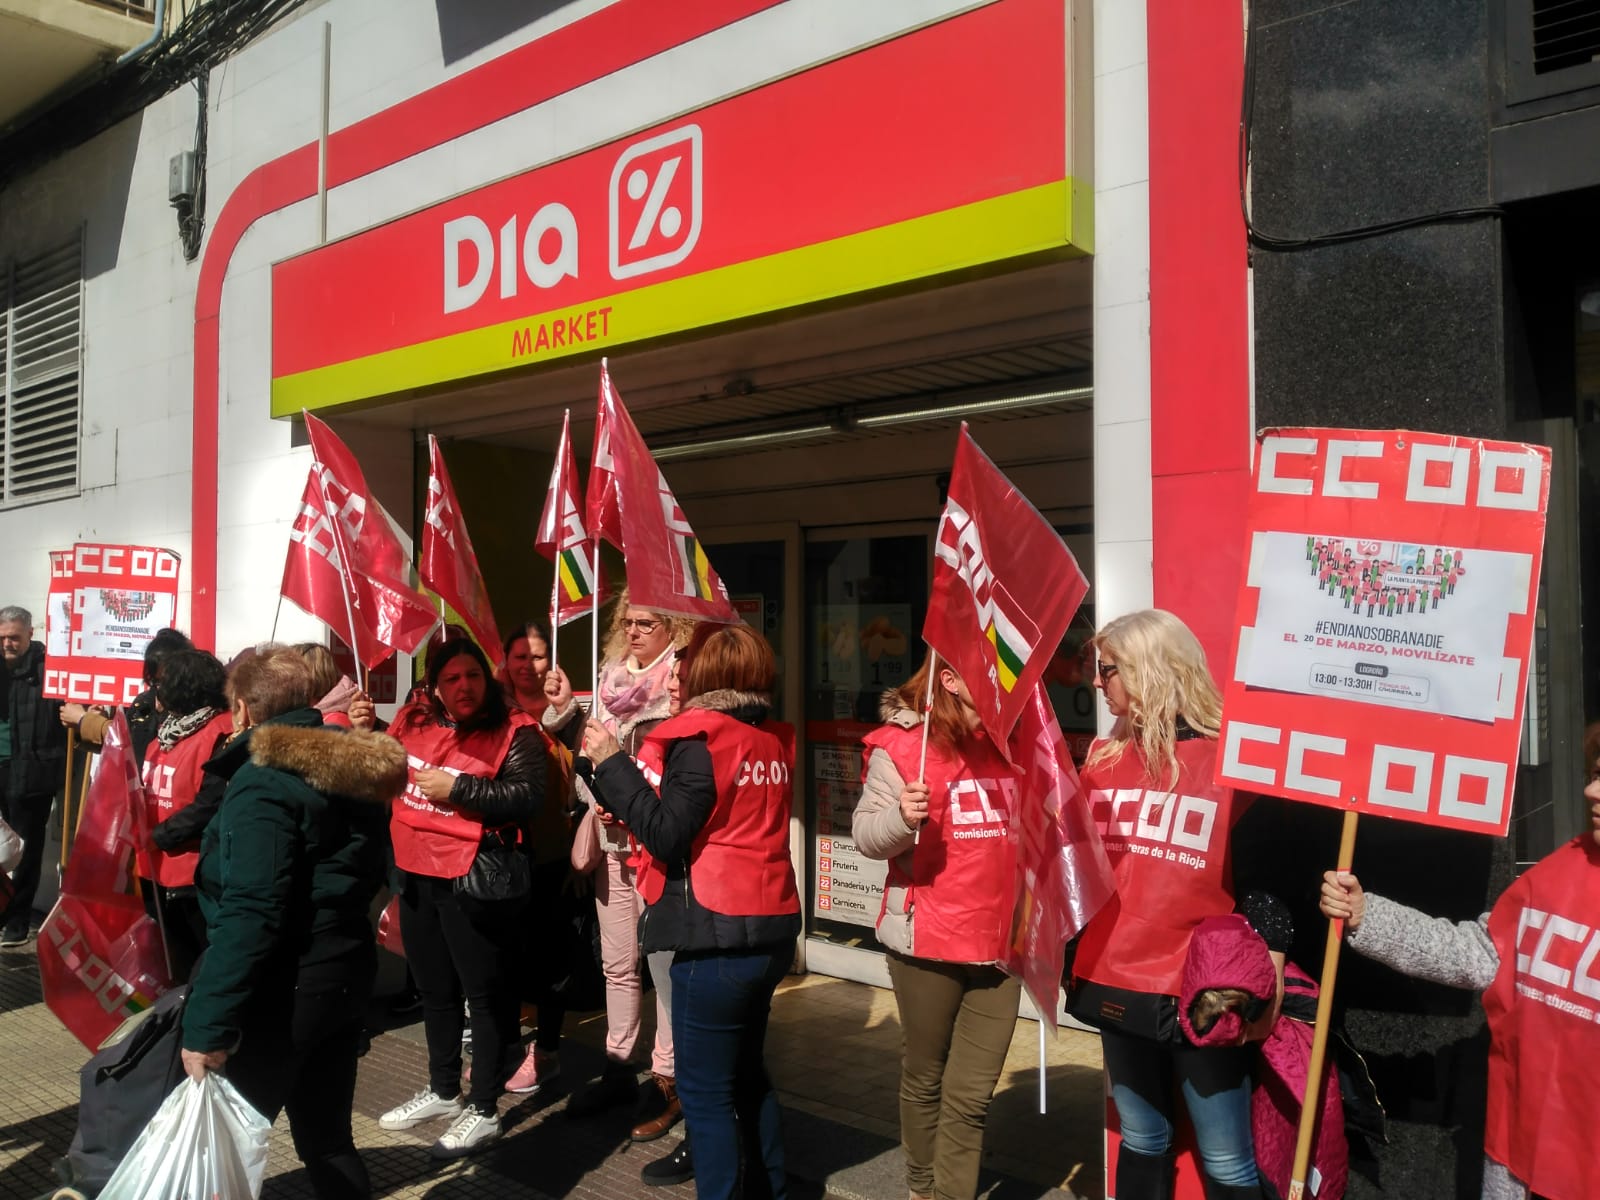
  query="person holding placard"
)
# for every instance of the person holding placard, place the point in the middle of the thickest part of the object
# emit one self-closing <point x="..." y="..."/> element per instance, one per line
<point x="1536" y="957"/>
<point x="1167" y="836"/>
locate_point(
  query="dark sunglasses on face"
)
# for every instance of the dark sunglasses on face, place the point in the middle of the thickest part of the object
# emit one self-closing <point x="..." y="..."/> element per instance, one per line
<point x="1105" y="670"/>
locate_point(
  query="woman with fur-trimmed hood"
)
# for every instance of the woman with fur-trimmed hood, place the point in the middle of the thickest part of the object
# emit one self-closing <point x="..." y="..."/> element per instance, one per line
<point x="288" y="870"/>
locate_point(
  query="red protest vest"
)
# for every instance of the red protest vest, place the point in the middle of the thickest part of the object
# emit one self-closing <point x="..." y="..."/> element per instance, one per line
<point x="961" y="890"/>
<point x="171" y="780"/>
<point x="739" y="863"/>
<point x="443" y="841"/>
<point x="1168" y="846"/>
<point x="1544" y="1041"/>
<point x="649" y="872"/>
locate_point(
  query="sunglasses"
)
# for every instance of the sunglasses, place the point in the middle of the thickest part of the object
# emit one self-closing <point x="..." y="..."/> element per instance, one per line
<point x="1105" y="670"/>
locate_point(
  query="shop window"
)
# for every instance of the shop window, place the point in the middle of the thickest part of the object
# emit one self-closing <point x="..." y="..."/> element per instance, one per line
<point x="41" y="353"/>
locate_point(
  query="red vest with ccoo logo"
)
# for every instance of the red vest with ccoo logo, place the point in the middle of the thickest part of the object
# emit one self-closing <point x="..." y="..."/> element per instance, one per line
<point x="440" y="840"/>
<point x="1544" y="1025"/>
<point x="649" y="872"/>
<point x="740" y="858"/>
<point x="1168" y="843"/>
<point x="962" y="888"/>
<point x="171" y="780"/>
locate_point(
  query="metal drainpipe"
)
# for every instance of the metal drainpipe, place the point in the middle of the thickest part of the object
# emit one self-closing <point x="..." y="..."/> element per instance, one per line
<point x="160" y="32"/>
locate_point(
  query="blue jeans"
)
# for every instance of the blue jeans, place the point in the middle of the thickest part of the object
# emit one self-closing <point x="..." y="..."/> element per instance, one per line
<point x="1215" y="1082"/>
<point x="720" y="1004"/>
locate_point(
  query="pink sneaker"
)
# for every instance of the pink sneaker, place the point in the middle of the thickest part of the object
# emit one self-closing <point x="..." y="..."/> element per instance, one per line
<point x="538" y="1070"/>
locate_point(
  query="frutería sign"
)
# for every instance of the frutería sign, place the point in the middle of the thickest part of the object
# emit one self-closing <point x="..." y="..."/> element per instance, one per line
<point x="945" y="149"/>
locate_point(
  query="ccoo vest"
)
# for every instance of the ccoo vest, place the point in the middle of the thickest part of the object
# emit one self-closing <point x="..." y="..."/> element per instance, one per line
<point x="172" y="778"/>
<point x="962" y="884"/>
<point x="739" y="862"/>
<point x="435" y="840"/>
<point x="1544" y="1039"/>
<point x="1169" y="848"/>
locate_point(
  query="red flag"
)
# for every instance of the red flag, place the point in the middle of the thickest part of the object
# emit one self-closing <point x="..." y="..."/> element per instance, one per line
<point x="1005" y="587"/>
<point x="565" y="542"/>
<point x="631" y="506"/>
<point x="1063" y="875"/>
<point x="100" y="956"/>
<point x="449" y="566"/>
<point x="345" y="565"/>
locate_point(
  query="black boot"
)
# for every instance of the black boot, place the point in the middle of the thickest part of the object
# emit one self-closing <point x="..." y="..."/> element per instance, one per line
<point x="1144" y="1176"/>
<point x="1232" y="1191"/>
<point x="677" y="1167"/>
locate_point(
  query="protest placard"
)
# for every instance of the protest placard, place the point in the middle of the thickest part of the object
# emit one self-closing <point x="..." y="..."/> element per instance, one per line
<point x="119" y="596"/>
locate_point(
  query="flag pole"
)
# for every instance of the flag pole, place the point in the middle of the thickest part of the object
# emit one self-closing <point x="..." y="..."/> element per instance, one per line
<point x="276" y="614"/>
<point x="66" y="795"/>
<point x="1310" y="1105"/>
<point x="555" y="625"/>
<point x="927" y="712"/>
<point x="594" y="633"/>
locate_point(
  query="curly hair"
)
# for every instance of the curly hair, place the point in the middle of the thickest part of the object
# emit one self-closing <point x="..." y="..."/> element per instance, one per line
<point x="1163" y="670"/>
<point x="191" y="680"/>
<point x="616" y="647"/>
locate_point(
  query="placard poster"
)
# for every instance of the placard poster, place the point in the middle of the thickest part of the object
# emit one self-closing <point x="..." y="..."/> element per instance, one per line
<point x="117" y="598"/>
<point x="1385" y="619"/>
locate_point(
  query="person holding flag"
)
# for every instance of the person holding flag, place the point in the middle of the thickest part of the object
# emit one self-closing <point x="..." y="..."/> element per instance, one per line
<point x="1167" y="836"/>
<point x="948" y="904"/>
<point x="1534" y="956"/>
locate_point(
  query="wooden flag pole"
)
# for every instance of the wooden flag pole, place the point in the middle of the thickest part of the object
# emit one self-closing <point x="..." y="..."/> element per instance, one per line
<point x="1311" y="1102"/>
<point x="66" y="795"/>
<point x="927" y="711"/>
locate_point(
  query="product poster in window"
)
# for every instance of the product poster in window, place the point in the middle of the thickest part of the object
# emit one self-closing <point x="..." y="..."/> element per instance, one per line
<point x="1385" y="616"/>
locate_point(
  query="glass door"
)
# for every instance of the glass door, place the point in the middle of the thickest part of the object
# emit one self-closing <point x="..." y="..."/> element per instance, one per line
<point x="866" y="593"/>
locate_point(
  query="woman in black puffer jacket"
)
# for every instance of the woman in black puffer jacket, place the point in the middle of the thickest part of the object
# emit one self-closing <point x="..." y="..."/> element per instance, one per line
<point x="477" y="773"/>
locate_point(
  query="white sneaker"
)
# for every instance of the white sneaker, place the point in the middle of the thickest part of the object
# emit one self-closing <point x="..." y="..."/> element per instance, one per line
<point x="426" y="1105"/>
<point x="469" y="1132"/>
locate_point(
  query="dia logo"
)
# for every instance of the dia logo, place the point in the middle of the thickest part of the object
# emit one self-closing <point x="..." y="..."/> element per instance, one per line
<point x="655" y="203"/>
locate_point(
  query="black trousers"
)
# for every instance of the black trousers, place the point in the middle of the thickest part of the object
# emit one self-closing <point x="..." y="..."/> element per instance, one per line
<point x="309" y="1068"/>
<point x="30" y="817"/>
<point x="546" y="963"/>
<point x="461" y="948"/>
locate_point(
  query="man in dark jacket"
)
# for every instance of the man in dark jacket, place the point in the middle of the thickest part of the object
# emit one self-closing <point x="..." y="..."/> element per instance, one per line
<point x="33" y="755"/>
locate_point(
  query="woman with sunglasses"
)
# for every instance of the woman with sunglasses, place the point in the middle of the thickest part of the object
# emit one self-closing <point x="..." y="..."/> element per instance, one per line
<point x="944" y="827"/>
<point x="1167" y="829"/>
<point x="631" y="699"/>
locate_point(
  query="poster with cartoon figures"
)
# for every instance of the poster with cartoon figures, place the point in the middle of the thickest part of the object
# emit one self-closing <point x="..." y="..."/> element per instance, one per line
<point x="1396" y="623"/>
<point x="1385" y="618"/>
<point x="116" y="598"/>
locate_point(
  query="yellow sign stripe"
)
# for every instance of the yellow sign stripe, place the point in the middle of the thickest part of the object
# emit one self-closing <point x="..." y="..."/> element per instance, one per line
<point x="1052" y="217"/>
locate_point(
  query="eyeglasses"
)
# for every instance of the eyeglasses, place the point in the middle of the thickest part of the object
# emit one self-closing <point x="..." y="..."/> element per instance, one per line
<point x="1105" y="670"/>
<point x="644" y="625"/>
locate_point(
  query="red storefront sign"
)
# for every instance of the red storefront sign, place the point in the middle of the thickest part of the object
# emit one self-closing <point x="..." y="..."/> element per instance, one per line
<point x="1385" y="620"/>
<point x="944" y="149"/>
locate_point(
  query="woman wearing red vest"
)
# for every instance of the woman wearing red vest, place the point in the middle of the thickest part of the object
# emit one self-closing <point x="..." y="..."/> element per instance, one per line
<point x="1536" y="954"/>
<point x="726" y="904"/>
<point x="946" y="831"/>
<point x="181" y="798"/>
<point x="1166" y="826"/>
<point x="477" y="776"/>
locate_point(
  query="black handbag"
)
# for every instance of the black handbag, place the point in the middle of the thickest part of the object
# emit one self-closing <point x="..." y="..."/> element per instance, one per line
<point x="499" y="872"/>
<point x="1145" y="1015"/>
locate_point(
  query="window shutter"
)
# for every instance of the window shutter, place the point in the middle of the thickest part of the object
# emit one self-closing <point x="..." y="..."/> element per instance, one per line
<point x="43" y="355"/>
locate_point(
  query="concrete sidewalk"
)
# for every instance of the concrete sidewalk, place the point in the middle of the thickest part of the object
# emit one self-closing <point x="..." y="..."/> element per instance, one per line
<point x="833" y="1050"/>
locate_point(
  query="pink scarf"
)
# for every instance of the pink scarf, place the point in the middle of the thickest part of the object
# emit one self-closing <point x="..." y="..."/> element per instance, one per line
<point x="625" y="692"/>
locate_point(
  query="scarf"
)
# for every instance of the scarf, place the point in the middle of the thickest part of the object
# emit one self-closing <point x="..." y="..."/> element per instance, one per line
<point x="175" y="728"/>
<point x="626" y="690"/>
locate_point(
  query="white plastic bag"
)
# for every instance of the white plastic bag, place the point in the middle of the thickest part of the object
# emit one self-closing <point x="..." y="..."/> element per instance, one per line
<point x="205" y="1141"/>
<point x="10" y="848"/>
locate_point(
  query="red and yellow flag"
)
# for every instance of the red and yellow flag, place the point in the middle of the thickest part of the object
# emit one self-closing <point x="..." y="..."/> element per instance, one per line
<point x="563" y="539"/>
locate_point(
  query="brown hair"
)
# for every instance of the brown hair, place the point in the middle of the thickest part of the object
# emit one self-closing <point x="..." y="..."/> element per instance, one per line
<point x="733" y="657"/>
<point x="947" y="719"/>
<point x="1208" y="1006"/>
<point x="325" y="673"/>
<point x="272" y="681"/>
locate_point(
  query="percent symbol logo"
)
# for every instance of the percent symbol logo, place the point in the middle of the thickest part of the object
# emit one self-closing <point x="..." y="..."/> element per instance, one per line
<point x="655" y="202"/>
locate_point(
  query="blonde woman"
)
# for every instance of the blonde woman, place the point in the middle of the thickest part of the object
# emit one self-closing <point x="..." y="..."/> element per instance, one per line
<point x="631" y="699"/>
<point x="1167" y="827"/>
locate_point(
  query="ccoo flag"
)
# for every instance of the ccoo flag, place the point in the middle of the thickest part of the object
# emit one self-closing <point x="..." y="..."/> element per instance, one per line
<point x="345" y="565"/>
<point x="563" y="539"/>
<point x="449" y="565"/>
<point x="631" y="506"/>
<point x="1005" y="587"/>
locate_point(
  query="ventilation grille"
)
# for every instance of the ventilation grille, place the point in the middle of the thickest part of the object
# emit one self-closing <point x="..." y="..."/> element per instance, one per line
<point x="1566" y="33"/>
<point x="41" y="348"/>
